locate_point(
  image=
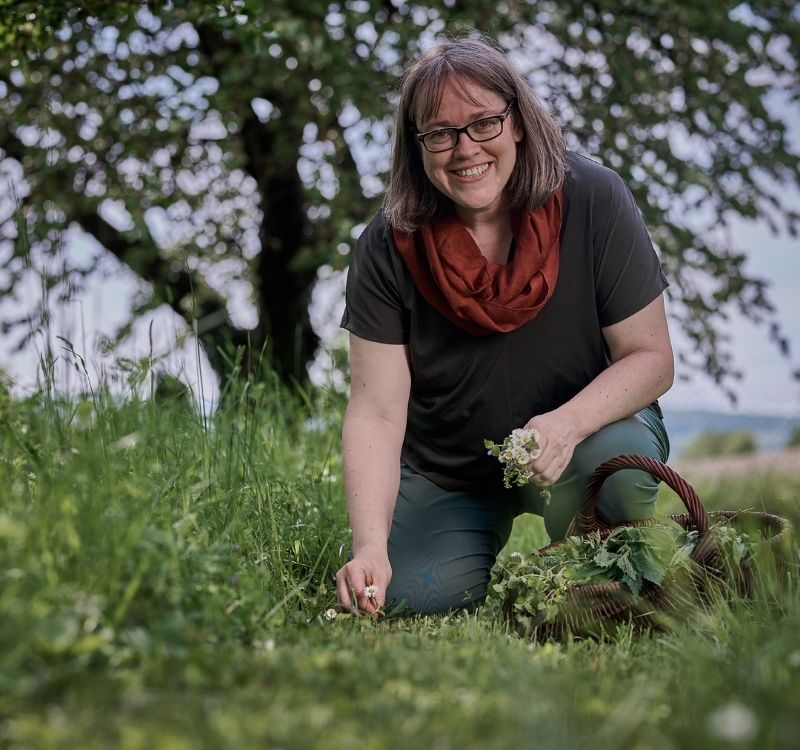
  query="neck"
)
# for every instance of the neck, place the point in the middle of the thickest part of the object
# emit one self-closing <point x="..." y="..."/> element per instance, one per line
<point x="491" y="232"/>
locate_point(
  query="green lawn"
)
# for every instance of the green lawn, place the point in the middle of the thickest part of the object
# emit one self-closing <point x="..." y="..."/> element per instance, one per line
<point x="163" y="585"/>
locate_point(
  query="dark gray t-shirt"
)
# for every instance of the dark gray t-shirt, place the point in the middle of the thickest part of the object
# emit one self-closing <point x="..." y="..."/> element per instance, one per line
<point x="466" y="388"/>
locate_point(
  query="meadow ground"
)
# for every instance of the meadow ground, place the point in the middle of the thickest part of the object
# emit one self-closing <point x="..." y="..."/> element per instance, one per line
<point x="164" y="583"/>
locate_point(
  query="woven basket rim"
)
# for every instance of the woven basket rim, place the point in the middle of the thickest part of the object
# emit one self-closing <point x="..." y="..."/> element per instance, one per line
<point x="685" y="519"/>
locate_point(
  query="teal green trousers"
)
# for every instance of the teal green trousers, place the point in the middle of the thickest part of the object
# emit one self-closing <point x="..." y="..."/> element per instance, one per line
<point x="443" y="543"/>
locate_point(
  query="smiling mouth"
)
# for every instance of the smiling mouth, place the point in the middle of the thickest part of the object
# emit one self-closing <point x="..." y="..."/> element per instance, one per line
<point x="471" y="171"/>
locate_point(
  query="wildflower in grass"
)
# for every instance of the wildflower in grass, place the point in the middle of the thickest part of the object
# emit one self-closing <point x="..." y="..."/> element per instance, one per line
<point x="125" y="442"/>
<point x="330" y="614"/>
<point x="733" y="723"/>
<point x="371" y="590"/>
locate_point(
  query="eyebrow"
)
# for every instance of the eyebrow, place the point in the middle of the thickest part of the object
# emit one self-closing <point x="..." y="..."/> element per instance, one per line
<point x="441" y="124"/>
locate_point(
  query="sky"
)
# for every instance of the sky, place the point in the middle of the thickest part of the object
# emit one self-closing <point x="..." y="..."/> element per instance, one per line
<point x="767" y="385"/>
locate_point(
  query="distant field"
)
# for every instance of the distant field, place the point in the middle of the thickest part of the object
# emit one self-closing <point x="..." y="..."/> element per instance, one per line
<point x="781" y="462"/>
<point x="771" y="431"/>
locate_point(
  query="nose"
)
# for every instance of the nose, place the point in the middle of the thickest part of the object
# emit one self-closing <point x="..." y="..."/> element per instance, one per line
<point x="465" y="145"/>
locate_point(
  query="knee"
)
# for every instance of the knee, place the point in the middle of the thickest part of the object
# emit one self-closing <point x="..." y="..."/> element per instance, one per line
<point x="628" y="495"/>
<point x="431" y="592"/>
<point x="454" y="579"/>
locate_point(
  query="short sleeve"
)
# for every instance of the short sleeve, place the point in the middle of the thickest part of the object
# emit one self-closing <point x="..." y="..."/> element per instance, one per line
<point x="628" y="273"/>
<point x="373" y="302"/>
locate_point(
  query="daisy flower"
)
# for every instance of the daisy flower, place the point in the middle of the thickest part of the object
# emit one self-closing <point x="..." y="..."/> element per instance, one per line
<point x="371" y="590"/>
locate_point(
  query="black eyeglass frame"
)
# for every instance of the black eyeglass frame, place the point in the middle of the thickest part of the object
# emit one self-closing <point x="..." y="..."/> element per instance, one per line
<point x="458" y="131"/>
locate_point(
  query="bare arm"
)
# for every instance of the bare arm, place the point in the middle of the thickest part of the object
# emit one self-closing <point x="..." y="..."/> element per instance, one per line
<point x="372" y="437"/>
<point x="642" y="369"/>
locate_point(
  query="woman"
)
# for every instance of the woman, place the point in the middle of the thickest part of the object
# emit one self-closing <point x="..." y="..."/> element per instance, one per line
<point x="505" y="283"/>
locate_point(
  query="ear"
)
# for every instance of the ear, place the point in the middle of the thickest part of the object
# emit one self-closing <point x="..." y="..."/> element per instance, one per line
<point x="519" y="133"/>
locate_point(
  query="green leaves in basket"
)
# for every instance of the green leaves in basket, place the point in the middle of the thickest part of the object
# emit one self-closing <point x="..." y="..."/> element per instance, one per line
<point x="636" y="554"/>
<point x="738" y="546"/>
<point x="533" y="587"/>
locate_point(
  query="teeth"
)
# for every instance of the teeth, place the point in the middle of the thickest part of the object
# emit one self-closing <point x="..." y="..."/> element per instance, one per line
<point x="472" y="171"/>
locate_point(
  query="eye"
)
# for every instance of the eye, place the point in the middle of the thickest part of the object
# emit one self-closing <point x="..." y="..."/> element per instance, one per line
<point x="486" y="124"/>
<point x="438" y="136"/>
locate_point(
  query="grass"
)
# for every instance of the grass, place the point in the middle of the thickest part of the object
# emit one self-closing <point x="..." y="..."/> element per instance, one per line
<point x="163" y="585"/>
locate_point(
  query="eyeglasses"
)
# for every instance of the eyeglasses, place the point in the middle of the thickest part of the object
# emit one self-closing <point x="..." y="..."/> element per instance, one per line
<point x="485" y="129"/>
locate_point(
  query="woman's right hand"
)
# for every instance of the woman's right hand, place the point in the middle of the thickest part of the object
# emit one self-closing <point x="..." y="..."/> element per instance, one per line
<point x="369" y="567"/>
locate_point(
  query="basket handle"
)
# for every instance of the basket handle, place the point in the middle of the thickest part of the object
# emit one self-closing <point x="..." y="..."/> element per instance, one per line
<point x="586" y="519"/>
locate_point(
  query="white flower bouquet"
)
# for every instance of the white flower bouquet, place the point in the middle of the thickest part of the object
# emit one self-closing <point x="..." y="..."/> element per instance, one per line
<point x="516" y="451"/>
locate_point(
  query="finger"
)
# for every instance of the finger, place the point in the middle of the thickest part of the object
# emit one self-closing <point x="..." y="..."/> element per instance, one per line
<point x="343" y="595"/>
<point x="540" y="473"/>
<point x="368" y="599"/>
<point x="547" y="466"/>
<point x="365" y="605"/>
<point x="347" y="592"/>
<point x="380" y="602"/>
<point x="375" y="594"/>
<point x="371" y="596"/>
<point x="374" y="605"/>
<point x="553" y="474"/>
<point x="557" y="470"/>
<point x="545" y="475"/>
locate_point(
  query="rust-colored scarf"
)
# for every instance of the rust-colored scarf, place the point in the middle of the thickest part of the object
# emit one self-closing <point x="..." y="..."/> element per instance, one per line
<point x="481" y="297"/>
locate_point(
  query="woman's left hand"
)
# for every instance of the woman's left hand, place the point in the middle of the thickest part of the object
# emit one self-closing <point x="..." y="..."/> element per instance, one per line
<point x="557" y="441"/>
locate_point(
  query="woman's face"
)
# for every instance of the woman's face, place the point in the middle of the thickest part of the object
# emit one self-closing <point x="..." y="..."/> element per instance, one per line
<point x="473" y="175"/>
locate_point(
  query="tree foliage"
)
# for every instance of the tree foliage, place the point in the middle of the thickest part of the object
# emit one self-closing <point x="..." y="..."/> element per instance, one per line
<point x="211" y="146"/>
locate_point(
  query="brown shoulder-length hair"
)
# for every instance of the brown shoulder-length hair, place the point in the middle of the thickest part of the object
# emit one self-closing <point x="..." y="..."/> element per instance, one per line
<point x="411" y="200"/>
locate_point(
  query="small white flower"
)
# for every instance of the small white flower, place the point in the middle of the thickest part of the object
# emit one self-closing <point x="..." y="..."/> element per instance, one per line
<point x="371" y="590"/>
<point x="520" y="455"/>
<point x="267" y="645"/>
<point x="127" y="441"/>
<point x="734" y="723"/>
<point x="330" y="614"/>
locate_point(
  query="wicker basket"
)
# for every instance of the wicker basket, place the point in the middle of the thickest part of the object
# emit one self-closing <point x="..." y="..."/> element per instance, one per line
<point x="589" y="609"/>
